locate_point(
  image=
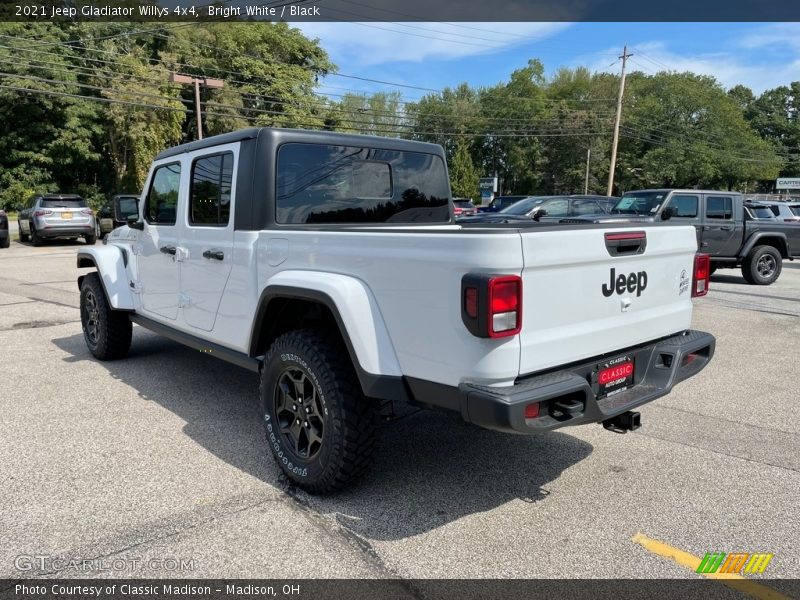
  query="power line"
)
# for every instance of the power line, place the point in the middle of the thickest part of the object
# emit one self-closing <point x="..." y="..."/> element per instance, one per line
<point x="332" y="108"/>
<point x="362" y="124"/>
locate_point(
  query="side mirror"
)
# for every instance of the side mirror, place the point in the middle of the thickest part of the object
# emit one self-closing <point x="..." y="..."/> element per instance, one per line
<point x="538" y="214"/>
<point x="667" y="213"/>
<point x="125" y="208"/>
<point x="134" y="223"/>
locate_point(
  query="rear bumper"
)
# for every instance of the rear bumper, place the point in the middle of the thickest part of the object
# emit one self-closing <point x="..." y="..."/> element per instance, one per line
<point x="73" y="231"/>
<point x="658" y="367"/>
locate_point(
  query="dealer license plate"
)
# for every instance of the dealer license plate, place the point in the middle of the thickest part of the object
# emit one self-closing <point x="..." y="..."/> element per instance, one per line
<point x="615" y="375"/>
<point x="66" y="215"/>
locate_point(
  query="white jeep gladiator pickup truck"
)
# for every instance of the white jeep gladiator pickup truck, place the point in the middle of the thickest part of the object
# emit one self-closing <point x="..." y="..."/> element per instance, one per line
<point x="331" y="265"/>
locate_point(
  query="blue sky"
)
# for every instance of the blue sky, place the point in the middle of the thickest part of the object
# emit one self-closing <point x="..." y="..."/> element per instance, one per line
<point x="435" y="55"/>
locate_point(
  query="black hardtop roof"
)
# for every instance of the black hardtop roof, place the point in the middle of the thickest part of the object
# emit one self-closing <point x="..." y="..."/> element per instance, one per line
<point x="688" y="191"/>
<point x="304" y="135"/>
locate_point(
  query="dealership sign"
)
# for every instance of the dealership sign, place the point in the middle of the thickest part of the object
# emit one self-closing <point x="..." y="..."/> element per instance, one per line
<point x="488" y="184"/>
<point x="788" y="183"/>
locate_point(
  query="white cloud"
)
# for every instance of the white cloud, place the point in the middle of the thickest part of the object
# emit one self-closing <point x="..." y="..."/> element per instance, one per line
<point x="370" y="44"/>
<point x="730" y="66"/>
<point x="781" y="36"/>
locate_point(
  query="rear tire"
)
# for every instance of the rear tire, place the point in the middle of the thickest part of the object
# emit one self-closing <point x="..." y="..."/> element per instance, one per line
<point x="107" y="332"/>
<point x="91" y="240"/>
<point x="36" y="239"/>
<point x="321" y="429"/>
<point x="6" y="241"/>
<point x="23" y="237"/>
<point x="762" y="266"/>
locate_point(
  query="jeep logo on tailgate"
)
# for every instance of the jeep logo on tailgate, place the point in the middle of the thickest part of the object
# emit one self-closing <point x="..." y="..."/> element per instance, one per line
<point x="635" y="282"/>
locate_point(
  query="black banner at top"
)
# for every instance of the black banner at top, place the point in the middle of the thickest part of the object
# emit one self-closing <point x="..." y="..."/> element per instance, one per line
<point x="408" y="10"/>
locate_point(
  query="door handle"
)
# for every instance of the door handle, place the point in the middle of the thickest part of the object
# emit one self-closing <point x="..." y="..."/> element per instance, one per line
<point x="168" y="250"/>
<point x="214" y="254"/>
<point x="706" y="228"/>
<point x="726" y="228"/>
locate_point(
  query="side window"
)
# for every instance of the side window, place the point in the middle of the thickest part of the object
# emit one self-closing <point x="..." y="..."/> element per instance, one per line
<point x="210" y="194"/>
<point x="318" y="183"/>
<point x="585" y="207"/>
<point x="685" y="206"/>
<point x="556" y="208"/>
<point x="719" y="207"/>
<point x="162" y="198"/>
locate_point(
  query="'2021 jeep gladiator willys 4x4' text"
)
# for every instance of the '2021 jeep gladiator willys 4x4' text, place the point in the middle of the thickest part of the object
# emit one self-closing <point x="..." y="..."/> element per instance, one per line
<point x="331" y="265"/>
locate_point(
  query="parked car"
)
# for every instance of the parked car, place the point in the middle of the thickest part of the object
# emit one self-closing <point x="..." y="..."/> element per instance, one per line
<point x="106" y="221"/>
<point x="788" y="212"/>
<point x="499" y="203"/>
<point x="5" y="236"/>
<point x="558" y="207"/>
<point x="758" y="211"/>
<point x="548" y="208"/>
<point x="48" y="216"/>
<point x="737" y="233"/>
<point x="287" y="272"/>
<point x="463" y="207"/>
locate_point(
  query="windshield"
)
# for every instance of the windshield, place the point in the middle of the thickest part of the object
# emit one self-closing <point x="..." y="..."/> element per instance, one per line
<point x="522" y="207"/>
<point x="639" y="203"/>
<point x="505" y="201"/>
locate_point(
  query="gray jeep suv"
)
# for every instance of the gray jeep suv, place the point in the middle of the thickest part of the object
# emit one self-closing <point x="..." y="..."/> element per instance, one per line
<point x="47" y="216"/>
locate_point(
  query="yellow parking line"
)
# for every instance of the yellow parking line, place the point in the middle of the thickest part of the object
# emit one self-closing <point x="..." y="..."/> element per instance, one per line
<point x="690" y="561"/>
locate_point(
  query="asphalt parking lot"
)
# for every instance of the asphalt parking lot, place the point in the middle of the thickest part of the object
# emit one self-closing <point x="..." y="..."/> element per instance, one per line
<point x="160" y="455"/>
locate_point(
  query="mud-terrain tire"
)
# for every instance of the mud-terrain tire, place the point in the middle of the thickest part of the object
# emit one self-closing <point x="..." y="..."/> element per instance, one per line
<point x="107" y="332"/>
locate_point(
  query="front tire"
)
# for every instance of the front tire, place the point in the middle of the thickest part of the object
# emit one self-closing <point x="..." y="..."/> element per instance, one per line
<point x="107" y="332"/>
<point x="6" y="241"/>
<point x="321" y="429"/>
<point x="762" y="266"/>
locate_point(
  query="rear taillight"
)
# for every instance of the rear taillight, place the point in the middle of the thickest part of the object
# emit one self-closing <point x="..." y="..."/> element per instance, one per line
<point x="702" y="274"/>
<point x="491" y="305"/>
<point x="87" y="211"/>
<point x="2" y="213"/>
<point x="42" y="212"/>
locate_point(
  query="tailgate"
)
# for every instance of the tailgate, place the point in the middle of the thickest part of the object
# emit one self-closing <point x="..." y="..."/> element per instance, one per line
<point x="572" y="310"/>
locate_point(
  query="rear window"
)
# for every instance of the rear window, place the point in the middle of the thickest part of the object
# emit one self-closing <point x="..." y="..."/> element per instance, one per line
<point x="795" y="210"/>
<point x="66" y="203"/>
<point x="319" y="183"/>
<point x="462" y="203"/>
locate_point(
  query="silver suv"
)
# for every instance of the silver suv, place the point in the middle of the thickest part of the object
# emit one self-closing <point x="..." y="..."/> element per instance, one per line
<point x="786" y="211"/>
<point x="46" y="216"/>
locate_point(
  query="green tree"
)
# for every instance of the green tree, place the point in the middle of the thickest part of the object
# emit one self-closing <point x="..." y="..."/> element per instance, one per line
<point x="463" y="174"/>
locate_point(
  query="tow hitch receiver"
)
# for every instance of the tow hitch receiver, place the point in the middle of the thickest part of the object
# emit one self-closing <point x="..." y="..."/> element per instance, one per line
<point x="627" y="421"/>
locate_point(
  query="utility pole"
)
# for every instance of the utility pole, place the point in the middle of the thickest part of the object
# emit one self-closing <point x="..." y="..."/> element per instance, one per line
<point x="197" y="82"/>
<point x="586" y="182"/>
<point x="625" y="56"/>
